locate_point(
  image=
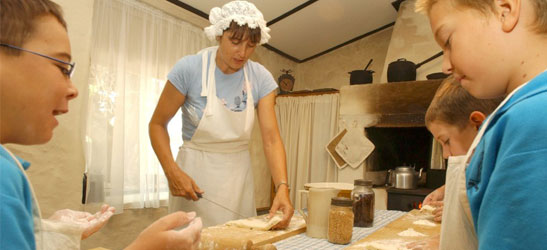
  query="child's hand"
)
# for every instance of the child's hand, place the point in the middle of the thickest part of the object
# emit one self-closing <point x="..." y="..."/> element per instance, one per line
<point x="438" y="212"/>
<point x="88" y="223"/>
<point x="437" y="195"/>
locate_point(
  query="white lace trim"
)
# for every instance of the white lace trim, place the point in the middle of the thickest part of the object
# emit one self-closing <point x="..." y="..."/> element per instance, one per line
<point x="242" y="12"/>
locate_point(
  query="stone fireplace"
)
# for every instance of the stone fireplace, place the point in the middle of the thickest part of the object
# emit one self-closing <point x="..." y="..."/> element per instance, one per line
<point x="392" y="116"/>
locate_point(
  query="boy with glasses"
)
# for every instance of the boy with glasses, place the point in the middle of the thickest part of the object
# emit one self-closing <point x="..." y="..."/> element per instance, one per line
<point x="35" y="87"/>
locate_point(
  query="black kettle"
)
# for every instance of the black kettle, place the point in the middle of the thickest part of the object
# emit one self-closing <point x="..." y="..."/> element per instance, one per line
<point x="361" y="76"/>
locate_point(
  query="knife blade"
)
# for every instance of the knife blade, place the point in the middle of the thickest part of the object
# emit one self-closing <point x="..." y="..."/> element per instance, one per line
<point x="220" y="205"/>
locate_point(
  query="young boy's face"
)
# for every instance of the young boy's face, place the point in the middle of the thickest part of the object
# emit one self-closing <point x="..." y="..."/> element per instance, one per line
<point x="473" y="48"/>
<point x="34" y="88"/>
<point x="454" y="140"/>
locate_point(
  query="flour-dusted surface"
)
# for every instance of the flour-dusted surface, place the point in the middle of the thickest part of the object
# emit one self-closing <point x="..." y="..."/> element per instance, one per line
<point x="301" y="241"/>
<point x="425" y="223"/>
<point x="410" y="233"/>
<point x="392" y="232"/>
<point x="384" y="245"/>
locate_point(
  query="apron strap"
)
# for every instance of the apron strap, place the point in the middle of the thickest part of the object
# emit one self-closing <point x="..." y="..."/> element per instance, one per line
<point x="250" y="99"/>
<point x="204" y="57"/>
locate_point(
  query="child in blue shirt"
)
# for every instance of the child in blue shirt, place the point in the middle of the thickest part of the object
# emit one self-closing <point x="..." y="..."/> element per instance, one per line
<point x="496" y="48"/>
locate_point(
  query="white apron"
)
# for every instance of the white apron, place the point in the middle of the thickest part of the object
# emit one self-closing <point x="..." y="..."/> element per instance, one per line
<point x="217" y="157"/>
<point x="457" y="227"/>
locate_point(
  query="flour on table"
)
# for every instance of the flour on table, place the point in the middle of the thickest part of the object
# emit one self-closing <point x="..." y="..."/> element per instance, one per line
<point x="261" y="223"/>
<point x="382" y="245"/>
<point x="424" y="223"/>
<point x="410" y="233"/>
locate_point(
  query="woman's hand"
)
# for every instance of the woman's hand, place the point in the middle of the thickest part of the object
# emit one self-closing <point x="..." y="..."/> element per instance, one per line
<point x="162" y="234"/>
<point x="180" y="184"/>
<point x="283" y="203"/>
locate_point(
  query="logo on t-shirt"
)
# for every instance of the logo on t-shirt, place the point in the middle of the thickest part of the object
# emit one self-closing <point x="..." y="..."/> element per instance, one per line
<point x="240" y="102"/>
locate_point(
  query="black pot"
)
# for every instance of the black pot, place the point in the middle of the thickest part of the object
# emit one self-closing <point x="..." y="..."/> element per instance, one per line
<point x="360" y="77"/>
<point x="403" y="70"/>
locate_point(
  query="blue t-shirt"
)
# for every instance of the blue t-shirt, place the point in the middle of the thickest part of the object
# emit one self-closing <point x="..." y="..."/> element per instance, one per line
<point x="16" y="222"/>
<point x="506" y="178"/>
<point x="186" y="77"/>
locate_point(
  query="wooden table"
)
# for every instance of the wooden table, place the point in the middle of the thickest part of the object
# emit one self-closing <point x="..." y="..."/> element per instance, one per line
<point x="390" y="234"/>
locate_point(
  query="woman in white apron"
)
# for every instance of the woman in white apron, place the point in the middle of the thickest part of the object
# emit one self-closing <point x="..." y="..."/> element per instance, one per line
<point x="214" y="160"/>
<point x="454" y="118"/>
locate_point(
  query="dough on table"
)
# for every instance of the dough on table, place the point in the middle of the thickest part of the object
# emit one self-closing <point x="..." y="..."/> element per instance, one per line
<point x="257" y="223"/>
<point x="428" y="208"/>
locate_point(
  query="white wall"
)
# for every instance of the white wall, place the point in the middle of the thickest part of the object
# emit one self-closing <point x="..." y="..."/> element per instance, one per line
<point x="331" y="70"/>
<point x="413" y="40"/>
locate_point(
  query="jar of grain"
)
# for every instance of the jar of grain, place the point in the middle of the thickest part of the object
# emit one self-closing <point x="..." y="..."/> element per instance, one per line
<point x="363" y="203"/>
<point x="340" y="221"/>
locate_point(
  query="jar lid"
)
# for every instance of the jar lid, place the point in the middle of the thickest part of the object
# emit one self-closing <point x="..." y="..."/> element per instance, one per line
<point x="362" y="182"/>
<point x="341" y="201"/>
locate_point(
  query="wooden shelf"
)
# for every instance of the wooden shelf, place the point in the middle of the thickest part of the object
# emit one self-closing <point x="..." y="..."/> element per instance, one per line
<point x="310" y="92"/>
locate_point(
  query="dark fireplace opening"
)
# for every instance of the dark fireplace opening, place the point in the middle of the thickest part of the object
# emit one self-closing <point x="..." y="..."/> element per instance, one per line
<point x="399" y="146"/>
<point x="404" y="146"/>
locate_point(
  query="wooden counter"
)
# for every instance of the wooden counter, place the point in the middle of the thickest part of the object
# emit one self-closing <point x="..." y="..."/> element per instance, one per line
<point x="390" y="233"/>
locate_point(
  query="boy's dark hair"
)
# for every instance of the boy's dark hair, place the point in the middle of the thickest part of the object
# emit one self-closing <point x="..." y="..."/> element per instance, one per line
<point x="18" y="18"/>
<point x="238" y="32"/>
<point x="452" y="104"/>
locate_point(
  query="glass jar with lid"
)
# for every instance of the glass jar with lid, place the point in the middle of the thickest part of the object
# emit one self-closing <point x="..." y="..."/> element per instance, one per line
<point x="363" y="203"/>
<point x="340" y="224"/>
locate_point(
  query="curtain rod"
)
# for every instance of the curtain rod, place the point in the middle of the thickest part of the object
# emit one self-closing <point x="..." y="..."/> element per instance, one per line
<point x="310" y="93"/>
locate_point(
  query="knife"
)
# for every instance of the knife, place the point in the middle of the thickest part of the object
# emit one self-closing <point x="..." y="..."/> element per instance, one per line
<point x="220" y="205"/>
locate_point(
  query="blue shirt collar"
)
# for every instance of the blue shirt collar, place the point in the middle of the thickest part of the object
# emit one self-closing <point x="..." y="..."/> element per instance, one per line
<point x="5" y="154"/>
<point x="537" y="85"/>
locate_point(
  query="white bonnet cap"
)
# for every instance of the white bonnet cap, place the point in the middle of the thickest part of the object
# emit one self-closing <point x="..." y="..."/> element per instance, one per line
<point x="242" y="12"/>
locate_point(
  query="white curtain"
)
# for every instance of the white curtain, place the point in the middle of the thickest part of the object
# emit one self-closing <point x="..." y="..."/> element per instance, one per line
<point x="133" y="48"/>
<point x="307" y="123"/>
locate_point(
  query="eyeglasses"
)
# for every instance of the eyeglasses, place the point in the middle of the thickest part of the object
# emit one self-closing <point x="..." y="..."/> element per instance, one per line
<point x="68" y="72"/>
